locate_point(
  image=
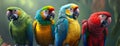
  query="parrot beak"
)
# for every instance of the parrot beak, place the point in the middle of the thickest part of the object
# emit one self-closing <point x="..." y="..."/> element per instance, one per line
<point x="50" y="16"/>
<point x="75" y="12"/>
<point x="106" y="22"/>
<point x="11" y="14"/>
<point x="109" y="20"/>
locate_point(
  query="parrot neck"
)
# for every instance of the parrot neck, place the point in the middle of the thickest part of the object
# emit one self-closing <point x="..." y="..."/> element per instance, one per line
<point x="71" y="19"/>
<point x="45" y="22"/>
<point x="94" y="25"/>
<point x="39" y="18"/>
<point x="62" y="15"/>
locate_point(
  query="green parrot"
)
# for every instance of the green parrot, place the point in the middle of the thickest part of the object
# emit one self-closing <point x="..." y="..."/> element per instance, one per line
<point x="20" y="26"/>
<point x="44" y="26"/>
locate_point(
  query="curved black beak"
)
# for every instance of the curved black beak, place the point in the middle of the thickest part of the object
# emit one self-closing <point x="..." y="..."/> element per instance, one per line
<point x="50" y="16"/>
<point x="75" y="14"/>
<point x="104" y="23"/>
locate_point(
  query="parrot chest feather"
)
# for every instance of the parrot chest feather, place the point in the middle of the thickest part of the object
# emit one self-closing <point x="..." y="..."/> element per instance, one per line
<point x="19" y="32"/>
<point x="73" y="34"/>
<point x="43" y="34"/>
<point x="96" y="31"/>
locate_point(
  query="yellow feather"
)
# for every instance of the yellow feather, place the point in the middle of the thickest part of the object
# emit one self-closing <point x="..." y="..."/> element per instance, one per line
<point x="43" y="34"/>
<point x="68" y="12"/>
<point x="73" y="32"/>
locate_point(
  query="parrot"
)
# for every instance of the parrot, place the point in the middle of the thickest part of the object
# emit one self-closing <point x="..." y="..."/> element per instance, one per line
<point x="95" y="29"/>
<point x="67" y="28"/>
<point x="44" y="25"/>
<point x="20" y="26"/>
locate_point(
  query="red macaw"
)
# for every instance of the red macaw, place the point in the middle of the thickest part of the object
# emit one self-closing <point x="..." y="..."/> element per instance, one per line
<point x="94" y="30"/>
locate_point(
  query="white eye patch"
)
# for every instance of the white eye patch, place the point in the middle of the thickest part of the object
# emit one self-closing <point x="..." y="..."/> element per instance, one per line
<point x="102" y="17"/>
<point x="71" y="10"/>
<point x="45" y="13"/>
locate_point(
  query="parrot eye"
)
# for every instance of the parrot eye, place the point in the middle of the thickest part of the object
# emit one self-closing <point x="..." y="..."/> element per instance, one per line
<point x="14" y="10"/>
<point x="71" y="9"/>
<point x="45" y="13"/>
<point x="103" y="17"/>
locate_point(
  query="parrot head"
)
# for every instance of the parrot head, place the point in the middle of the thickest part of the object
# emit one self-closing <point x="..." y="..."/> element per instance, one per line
<point x="71" y="10"/>
<point x="13" y="13"/>
<point x="47" y="13"/>
<point x="102" y="18"/>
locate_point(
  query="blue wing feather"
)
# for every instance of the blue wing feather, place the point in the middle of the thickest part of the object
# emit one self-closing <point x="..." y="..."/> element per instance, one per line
<point x="86" y="34"/>
<point x="30" y="34"/>
<point x="85" y="39"/>
<point x="104" y="40"/>
<point x="61" y="31"/>
<point x="104" y="36"/>
<point x="53" y="31"/>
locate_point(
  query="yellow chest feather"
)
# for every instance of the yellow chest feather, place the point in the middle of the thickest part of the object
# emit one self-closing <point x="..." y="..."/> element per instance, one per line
<point x="73" y="32"/>
<point x="43" y="34"/>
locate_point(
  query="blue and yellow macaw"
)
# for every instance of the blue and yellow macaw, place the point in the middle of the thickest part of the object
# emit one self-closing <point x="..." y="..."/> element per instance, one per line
<point x="20" y="26"/>
<point x="67" y="29"/>
<point x="44" y="26"/>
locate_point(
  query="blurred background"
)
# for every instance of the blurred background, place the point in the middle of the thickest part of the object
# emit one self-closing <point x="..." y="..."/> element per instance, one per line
<point x="86" y="8"/>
